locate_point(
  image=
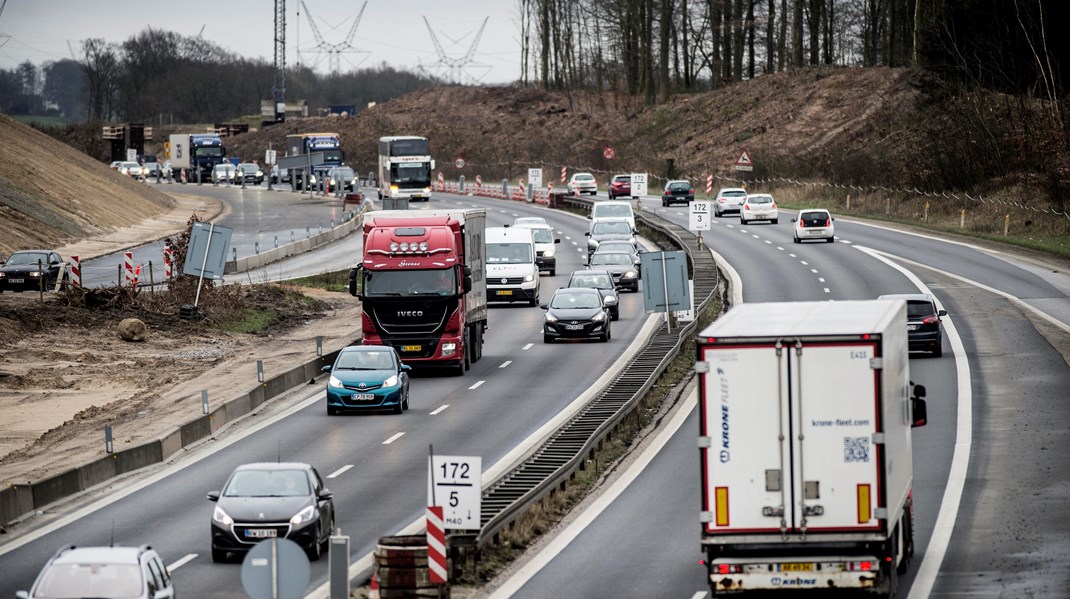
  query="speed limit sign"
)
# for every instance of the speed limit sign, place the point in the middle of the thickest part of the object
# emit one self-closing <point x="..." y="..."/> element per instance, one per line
<point x="455" y="483"/>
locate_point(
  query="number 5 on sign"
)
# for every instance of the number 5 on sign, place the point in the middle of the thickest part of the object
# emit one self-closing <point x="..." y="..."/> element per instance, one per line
<point x="455" y="483"/>
<point x="699" y="217"/>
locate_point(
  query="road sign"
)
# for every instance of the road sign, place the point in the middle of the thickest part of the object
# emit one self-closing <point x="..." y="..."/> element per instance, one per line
<point x="664" y="281"/>
<point x="535" y="177"/>
<point x="698" y="218"/>
<point x="743" y="163"/>
<point x="455" y="483"/>
<point x="609" y="153"/>
<point x="270" y="156"/>
<point x="639" y="184"/>
<point x="207" y="251"/>
<point x="275" y="569"/>
<point x="131" y="154"/>
<point x="459" y="163"/>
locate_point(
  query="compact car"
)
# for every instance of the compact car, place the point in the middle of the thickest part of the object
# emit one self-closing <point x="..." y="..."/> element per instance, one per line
<point x="729" y="199"/>
<point x="759" y="206"/>
<point x="814" y="223"/>
<point x="677" y="192"/>
<point x="620" y="267"/>
<point x="111" y="572"/>
<point x="576" y="313"/>
<point x="620" y="186"/>
<point x="581" y="183"/>
<point x="367" y="377"/>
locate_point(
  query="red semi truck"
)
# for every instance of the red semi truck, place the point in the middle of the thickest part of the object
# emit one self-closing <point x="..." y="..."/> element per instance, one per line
<point x="423" y="285"/>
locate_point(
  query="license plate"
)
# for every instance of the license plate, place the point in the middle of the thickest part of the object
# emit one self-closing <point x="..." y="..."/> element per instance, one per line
<point x="410" y="348"/>
<point x="796" y="567"/>
<point x="912" y="327"/>
<point x="16" y="280"/>
<point x="574" y="327"/>
<point x="816" y="232"/>
<point x="505" y="292"/>
<point x="261" y="533"/>
<point x="363" y="396"/>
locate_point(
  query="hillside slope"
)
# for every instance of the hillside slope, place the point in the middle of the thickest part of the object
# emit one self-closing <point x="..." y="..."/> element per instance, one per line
<point x="52" y="194"/>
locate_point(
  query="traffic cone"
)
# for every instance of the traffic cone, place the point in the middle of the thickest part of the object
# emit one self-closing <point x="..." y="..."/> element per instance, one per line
<point x="373" y="590"/>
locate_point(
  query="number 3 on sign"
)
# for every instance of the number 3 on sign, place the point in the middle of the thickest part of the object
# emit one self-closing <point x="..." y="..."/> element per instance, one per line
<point x="699" y="216"/>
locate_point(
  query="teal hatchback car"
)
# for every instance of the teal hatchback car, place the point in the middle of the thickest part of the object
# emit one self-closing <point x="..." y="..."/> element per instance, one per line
<point x="367" y="377"/>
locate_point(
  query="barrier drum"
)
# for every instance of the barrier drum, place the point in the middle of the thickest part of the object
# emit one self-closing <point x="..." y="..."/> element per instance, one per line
<point x="400" y="564"/>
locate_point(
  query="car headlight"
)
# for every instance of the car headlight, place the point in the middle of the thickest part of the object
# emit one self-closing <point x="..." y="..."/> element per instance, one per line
<point x="304" y="515"/>
<point x="529" y="278"/>
<point x="259" y="173"/>
<point x="391" y="382"/>
<point x="630" y="274"/>
<point x="549" y="254"/>
<point x="34" y="273"/>
<point x="334" y="382"/>
<point x="550" y="318"/>
<point x="218" y="515"/>
<point x="599" y="317"/>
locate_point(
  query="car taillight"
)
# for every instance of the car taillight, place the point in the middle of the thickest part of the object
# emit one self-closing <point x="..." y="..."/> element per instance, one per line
<point x="828" y="222"/>
<point x="931" y="319"/>
<point x="746" y="206"/>
<point x="774" y="206"/>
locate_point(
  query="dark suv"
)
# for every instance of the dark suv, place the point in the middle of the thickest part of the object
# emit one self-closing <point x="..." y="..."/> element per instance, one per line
<point x="924" y="329"/>
<point x="133" y="572"/>
<point x="620" y="186"/>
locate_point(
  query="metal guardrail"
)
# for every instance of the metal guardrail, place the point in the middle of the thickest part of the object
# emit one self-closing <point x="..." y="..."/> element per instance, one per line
<point x="566" y="451"/>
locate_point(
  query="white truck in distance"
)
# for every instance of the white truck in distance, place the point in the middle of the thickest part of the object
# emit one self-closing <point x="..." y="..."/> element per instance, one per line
<point x="806" y="410"/>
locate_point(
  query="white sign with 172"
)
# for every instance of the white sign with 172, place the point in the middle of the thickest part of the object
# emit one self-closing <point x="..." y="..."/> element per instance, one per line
<point x="535" y="177"/>
<point x="699" y="216"/>
<point x="639" y="184"/>
<point x="455" y="483"/>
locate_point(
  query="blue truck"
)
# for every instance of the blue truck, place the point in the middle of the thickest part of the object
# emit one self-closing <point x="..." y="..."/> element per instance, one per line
<point x="195" y="152"/>
<point x="302" y="144"/>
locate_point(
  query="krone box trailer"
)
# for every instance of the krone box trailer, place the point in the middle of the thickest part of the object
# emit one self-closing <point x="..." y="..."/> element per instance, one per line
<point x="806" y="410"/>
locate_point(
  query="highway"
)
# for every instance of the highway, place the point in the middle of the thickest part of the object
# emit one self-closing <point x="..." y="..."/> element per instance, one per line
<point x="986" y="475"/>
<point x="988" y="467"/>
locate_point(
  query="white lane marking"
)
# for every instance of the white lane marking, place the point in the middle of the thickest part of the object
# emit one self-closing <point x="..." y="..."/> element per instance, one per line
<point x="730" y="226"/>
<point x="589" y="514"/>
<point x="567" y="238"/>
<point x="827" y="290"/>
<point x="700" y="595"/>
<point x="394" y="438"/>
<point x="182" y="561"/>
<point x="574" y="243"/>
<point x="515" y="215"/>
<point x="821" y="279"/>
<point x="528" y="346"/>
<point x="755" y="236"/>
<point x="813" y="270"/>
<point x="845" y="241"/>
<point x="503" y="212"/>
<point x="792" y="255"/>
<point x="804" y="263"/>
<point x="769" y="242"/>
<point x="340" y="471"/>
<point x="476" y="386"/>
<point x="506" y="363"/>
<point x="960" y="460"/>
<point x="440" y="409"/>
<point x="781" y="248"/>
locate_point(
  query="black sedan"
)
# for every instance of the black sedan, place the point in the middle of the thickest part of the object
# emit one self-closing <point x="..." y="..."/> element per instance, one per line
<point x="620" y="266"/>
<point x="603" y="282"/>
<point x="576" y="313"/>
<point x="924" y="329"/>
<point x="677" y="191"/>
<point x="25" y="270"/>
<point x="268" y="500"/>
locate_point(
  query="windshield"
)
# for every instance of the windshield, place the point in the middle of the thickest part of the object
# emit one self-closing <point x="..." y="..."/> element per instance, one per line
<point x="611" y="229"/>
<point x="107" y="581"/>
<point x="216" y="151"/>
<point x="583" y="178"/>
<point x="364" y="360"/>
<point x="268" y="483"/>
<point x="342" y="172"/>
<point x="613" y="211"/>
<point x="28" y="258"/>
<point x="575" y="301"/>
<point x="508" y="253"/>
<point x="734" y="194"/>
<point x="410" y="147"/>
<point x="416" y="174"/>
<point x="760" y="200"/>
<point x="920" y="309"/>
<point x="611" y="259"/>
<point x="591" y="281"/>
<point x="404" y="283"/>
<point x="542" y="235"/>
<point x="616" y="246"/>
<point x="680" y="186"/>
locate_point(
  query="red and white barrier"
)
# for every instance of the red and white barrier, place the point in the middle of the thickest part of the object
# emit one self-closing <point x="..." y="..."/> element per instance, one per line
<point x="183" y="175"/>
<point x="709" y="184"/>
<point x="128" y="267"/>
<point x="523" y="193"/>
<point x="168" y="260"/>
<point x="373" y="588"/>
<point x="441" y="182"/>
<point x="563" y="170"/>
<point x="76" y="272"/>
<point x="436" y="545"/>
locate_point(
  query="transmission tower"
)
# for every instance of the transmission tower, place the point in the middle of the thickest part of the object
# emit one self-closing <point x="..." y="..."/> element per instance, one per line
<point x="3" y="36"/>
<point x="278" y="87"/>
<point x="333" y="51"/>
<point x="458" y="70"/>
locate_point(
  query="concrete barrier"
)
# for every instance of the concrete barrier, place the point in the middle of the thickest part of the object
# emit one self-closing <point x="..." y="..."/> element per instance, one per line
<point x="19" y="500"/>
<point x="299" y="246"/>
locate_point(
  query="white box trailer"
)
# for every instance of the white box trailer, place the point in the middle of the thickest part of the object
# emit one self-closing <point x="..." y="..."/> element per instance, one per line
<point x="806" y="411"/>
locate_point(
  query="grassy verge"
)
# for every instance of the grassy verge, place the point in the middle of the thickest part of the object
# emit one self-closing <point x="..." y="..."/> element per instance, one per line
<point x="331" y="281"/>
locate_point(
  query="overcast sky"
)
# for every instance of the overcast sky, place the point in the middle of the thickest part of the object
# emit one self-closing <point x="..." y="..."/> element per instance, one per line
<point x="389" y="31"/>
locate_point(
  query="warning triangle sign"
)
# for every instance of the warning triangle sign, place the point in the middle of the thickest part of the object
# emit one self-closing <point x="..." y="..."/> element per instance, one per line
<point x="744" y="159"/>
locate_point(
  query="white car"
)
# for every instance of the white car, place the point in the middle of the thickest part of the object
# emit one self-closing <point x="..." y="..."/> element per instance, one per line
<point x="729" y="199"/>
<point x="758" y="206"/>
<point x="223" y="173"/>
<point x="530" y="221"/>
<point x="581" y="183"/>
<point x="814" y="223"/>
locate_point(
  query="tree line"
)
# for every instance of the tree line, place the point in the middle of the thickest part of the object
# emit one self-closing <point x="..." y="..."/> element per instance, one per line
<point x="162" y="77"/>
<point x="654" y="48"/>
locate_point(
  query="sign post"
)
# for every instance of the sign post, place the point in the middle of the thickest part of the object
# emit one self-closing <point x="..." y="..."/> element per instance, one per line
<point x="698" y="218"/>
<point x="535" y="177"/>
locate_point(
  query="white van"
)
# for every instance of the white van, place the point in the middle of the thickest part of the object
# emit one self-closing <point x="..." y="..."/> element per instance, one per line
<point x="612" y="209"/>
<point x="512" y="273"/>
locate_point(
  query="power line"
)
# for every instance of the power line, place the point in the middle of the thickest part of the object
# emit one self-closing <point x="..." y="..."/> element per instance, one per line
<point x="457" y="70"/>
<point x="333" y="52"/>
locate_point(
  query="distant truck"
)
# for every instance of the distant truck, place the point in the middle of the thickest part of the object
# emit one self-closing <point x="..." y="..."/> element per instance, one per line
<point x="423" y="285"/>
<point x="304" y="144"/>
<point x="806" y="411"/>
<point x="195" y="152"/>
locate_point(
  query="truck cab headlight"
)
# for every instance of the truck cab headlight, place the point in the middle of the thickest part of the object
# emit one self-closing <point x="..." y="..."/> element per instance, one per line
<point x="448" y="349"/>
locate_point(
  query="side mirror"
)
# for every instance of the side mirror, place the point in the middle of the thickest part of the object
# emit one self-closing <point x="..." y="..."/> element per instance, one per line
<point x="793" y="220"/>
<point x="405" y="368"/>
<point x="920" y="412"/>
<point x="557" y="240"/>
<point x="466" y="281"/>
<point x="587" y="234"/>
<point x="213" y="496"/>
<point x="544" y="306"/>
<point x="22" y="595"/>
<point x="942" y="313"/>
<point x="353" y="274"/>
<point x="918" y="391"/>
<point x="324" y="494"/>
<point x="326" y="368"/>
<point x="589" y="217"/>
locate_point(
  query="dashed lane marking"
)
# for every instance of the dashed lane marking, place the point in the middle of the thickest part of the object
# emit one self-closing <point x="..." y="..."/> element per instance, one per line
<point x="394" y="438"/>
<point x="340" y="471"/>
<point x="476" y="386"/>
<point x="439" y="409"/>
